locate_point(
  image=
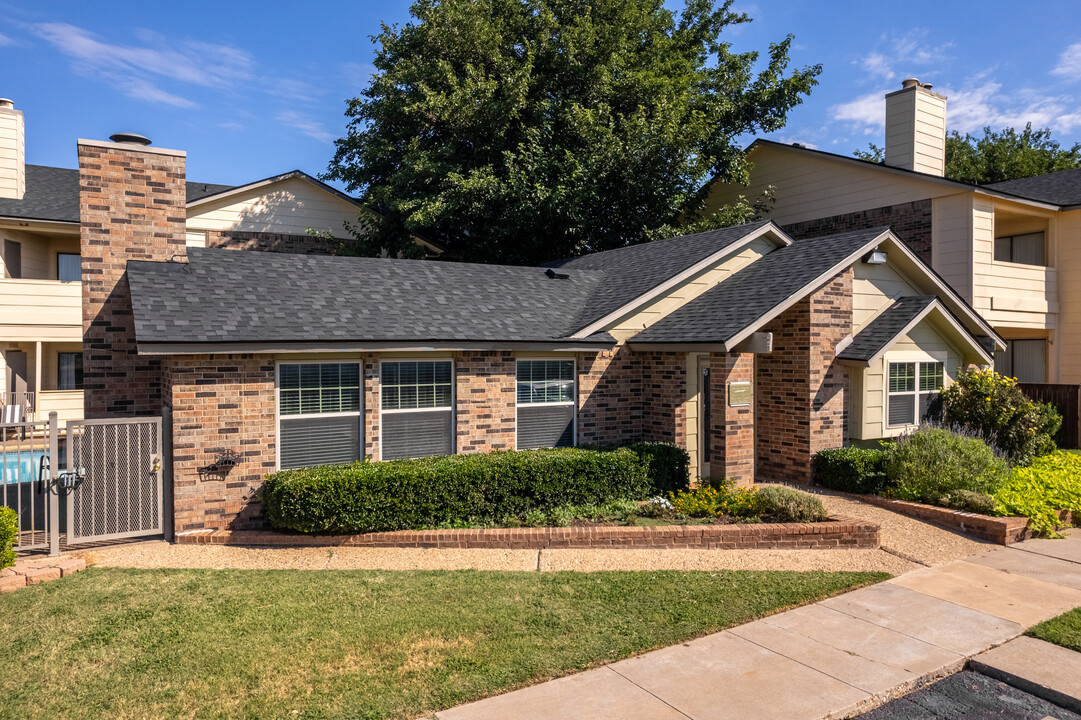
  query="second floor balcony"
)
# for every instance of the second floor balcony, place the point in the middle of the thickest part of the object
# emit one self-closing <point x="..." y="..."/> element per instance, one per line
<point x="37" y="309"/>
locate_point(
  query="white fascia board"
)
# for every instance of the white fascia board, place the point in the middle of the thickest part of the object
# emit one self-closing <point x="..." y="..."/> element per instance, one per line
<point x="659" y="290"/>
<point x="940" y="310"/>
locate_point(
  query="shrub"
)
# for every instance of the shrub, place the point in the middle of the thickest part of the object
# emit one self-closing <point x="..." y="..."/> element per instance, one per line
<point x="668" y="466"/>
<point x="850" y="469"/>
<point x="429" y="492"/>
<point x="9" y="530"/>
<point x="1038" y="492"/>
<point x="934" y="461"/>
<point x="992" y="406"/>
<point x="968" y="501"/>
<point x="789" y="505"/>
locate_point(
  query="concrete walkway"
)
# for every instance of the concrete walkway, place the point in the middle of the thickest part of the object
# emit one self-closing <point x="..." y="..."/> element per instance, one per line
<point x="827" y="660"/>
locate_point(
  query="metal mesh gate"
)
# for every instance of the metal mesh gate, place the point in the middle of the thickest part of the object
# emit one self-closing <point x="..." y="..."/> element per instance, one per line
<point x="114" y="480"/>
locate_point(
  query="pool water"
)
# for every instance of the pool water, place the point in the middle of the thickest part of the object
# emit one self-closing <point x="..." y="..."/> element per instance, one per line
<point x="21" y="466"/>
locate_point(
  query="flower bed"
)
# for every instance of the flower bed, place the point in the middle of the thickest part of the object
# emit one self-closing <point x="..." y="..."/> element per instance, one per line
<point x="834" y="533"/>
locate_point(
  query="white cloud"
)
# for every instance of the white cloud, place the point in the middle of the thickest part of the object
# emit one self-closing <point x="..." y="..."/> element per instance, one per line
<point x="306" y="125"/>
<point x="358" y="75"/>
<point x="794" y="140"/>
<point x="136" y="70"/>
<point x="1069" y="63"/>
<point x="5" y="40"/>
<point x="866" y="113"/>
<point x="900" y="56"/>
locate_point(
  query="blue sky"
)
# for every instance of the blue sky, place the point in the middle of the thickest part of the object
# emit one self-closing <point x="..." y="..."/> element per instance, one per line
<point x="251" y="89"/>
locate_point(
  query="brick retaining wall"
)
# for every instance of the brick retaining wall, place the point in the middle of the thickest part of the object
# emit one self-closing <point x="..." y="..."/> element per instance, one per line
<point x="836" y="533"/>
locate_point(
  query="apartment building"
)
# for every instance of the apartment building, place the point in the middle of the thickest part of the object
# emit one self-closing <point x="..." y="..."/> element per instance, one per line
<point x="1012" y="250"/>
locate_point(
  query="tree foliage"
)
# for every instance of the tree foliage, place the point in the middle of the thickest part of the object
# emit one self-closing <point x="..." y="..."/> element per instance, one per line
<point x="998" y="156"/>
<point x="526" y="130"/>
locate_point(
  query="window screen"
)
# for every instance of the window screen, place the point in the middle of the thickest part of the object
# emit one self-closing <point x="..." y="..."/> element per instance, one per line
<point x="69" y="267"/>
<point x="319" y="414"/>
<point x="69" y="371"/>
<point x="417" y="415"/>
<point x="910" y="388"/>
<point x="1027" y="249"/>
<point x="546" y="403"/>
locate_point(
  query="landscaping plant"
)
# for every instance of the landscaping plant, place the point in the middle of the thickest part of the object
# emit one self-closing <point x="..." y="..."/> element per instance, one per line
<point x="790" y="505"/>
<point x="9" y="530"/>
<point x="718" y="500"/>
<point x="992" y="406"/>
<point x="667" y="465"/>
<point x="850" y="469"/>
<point x="1050" y="484"/>
<point x="932" y="462"/>
<point x="430" y="492"/>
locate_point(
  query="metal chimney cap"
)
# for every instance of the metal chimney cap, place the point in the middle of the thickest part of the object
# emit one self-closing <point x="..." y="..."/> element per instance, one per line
<point x="909" y="83"/>
<point x="134" y="138"/>
<point x="6" y="103"/>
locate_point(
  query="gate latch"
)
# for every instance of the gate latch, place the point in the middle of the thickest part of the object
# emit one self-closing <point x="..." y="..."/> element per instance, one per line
<point x="71" y="480"/>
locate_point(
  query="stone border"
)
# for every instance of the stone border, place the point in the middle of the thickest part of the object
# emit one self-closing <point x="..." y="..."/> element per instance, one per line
<point x="1000" y="530"/>
<point x="31" y="571"/>
<point x="835" y="533"/>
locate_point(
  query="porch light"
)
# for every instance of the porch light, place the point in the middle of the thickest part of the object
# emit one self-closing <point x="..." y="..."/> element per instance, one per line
<point x="875" y="257"/>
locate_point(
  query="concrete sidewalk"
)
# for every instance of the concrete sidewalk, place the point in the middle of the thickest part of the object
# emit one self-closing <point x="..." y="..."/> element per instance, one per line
<point x="827" y="660"/>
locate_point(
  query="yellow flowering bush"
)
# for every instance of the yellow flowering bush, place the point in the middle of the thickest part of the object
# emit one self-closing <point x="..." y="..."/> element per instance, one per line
<point x="717" y="501"/>
<point x="1051" y="483"/>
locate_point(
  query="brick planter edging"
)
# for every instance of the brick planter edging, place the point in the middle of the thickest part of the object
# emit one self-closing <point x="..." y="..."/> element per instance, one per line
<point x="31" y="571"/>
<point x="837" y="532"/>
<point x="1000" y="530"/>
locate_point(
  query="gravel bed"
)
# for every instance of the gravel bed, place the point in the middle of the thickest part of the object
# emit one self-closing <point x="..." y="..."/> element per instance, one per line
<point x="907" y="543"/>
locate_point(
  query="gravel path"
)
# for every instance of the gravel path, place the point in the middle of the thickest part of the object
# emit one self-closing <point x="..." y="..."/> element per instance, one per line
<point x="906" y="544"/>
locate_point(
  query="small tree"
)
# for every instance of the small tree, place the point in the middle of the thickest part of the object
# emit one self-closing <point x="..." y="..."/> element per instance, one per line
<point x="993" y="406"/>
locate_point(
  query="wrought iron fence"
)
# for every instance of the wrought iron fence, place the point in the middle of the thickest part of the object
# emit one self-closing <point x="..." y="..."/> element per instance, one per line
<point x="28" y="450"/>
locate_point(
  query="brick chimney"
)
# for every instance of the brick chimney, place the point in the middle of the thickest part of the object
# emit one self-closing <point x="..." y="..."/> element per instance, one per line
<point x="12" y="151"/>
<point x="916" y="128"/>
<point x="132" y="206"/>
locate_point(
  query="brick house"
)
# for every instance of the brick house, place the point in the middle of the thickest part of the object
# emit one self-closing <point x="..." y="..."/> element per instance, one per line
<point x="746" y="347"/>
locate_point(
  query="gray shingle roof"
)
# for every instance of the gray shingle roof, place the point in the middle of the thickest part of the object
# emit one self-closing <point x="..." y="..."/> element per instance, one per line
<point x="881" y="331"/>
<point x="1060" y="188"/>
<point x="637" y="269"/>
<point x="53" y="194"/>
<point x="721" y="313"/>
<point x="236" y="296"/>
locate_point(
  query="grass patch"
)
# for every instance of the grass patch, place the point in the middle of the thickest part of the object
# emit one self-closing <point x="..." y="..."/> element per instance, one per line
<point x="121" y="643"/>
<point x="1064" y="630"/>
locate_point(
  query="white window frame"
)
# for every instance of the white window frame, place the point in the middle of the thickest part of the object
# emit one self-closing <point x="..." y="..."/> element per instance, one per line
<point x="453" y="398"/>
<point x="573" y="403"/>
<point x="909" y="357"/>
<point x="277" y="403"/>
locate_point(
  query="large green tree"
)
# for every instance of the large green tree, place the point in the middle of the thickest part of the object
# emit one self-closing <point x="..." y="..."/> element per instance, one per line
<point x="518" y="131"/>
<point x="998" y="156"/>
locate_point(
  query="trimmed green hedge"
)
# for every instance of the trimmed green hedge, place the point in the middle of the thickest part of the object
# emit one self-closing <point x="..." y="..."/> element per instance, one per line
<point x="668" y="466"/>
<point x="411" y="494"/>
<point x="9" y="529"/>
<point x="850" y="469"/>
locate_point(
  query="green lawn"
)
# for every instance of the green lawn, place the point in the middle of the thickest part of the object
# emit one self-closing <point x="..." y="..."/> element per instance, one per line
<point x="1064" y="630"/>
<point x="348" y="644"/>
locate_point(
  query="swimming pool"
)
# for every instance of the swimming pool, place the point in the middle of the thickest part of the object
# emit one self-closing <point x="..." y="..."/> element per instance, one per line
<point x="20" y="466"/>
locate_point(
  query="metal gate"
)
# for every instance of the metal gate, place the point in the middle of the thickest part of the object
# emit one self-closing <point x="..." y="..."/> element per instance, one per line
<point x="114" y="483"/>
<point x="25" y="481"/>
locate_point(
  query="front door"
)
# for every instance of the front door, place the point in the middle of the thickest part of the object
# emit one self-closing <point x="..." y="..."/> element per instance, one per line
<point x="16" y="371"/>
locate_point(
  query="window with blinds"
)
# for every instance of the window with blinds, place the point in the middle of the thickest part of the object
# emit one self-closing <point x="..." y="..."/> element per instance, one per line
<point x="1027" y="249"/>
<point x="911" y="386"/>
<point x="1025" y="360"/>
<point x="318" y="414"/>
<point x="417" y="408"/>
<point x="546" y="403"/>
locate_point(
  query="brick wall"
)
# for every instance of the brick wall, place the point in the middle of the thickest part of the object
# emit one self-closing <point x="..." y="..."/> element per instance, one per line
<point x="485" y="404"/>
<point x="132" y="207"/>
<point x="801" y="389"/>
<point x="609" y="397"/>
<point x="372" y="403"/>
<point x="664" y="397"/>
<point x="220" y="403"/>
<point x="732" y="431"/>
<point x="272" y="242"/>
<point x="910" y="221"/>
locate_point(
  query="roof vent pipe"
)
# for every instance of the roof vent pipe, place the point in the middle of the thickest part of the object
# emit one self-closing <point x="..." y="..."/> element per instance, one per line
<point x="6" y="103"/>
<point x="133" y="138"/>
<point x="909" y="82"/>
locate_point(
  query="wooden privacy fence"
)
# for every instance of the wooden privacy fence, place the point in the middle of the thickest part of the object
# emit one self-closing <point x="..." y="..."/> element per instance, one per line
<point x="1067" y="400"/>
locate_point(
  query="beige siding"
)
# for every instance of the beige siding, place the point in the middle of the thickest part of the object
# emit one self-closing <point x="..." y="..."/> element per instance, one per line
<point x="1066" y="349"/>
<point x="694" y="373"/>
<point x="40" y="310"/>
<point x="928" y="338"/>
<point x="289" y="207"/>
<point x="951" y="252"/>
<point x="874" y="288"/>
<point x="693" y="287"/>
<point x="38" y="252"/>
<point x="1010" y="295"/>
<point x="916" y="131"/>
<point x="813" y="186"/>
